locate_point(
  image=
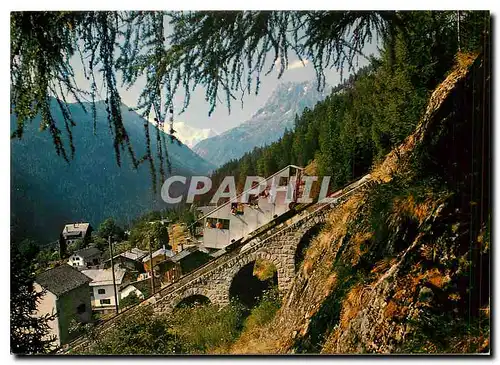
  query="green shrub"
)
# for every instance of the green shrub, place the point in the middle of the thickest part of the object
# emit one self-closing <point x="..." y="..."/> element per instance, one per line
<point x="204" y="328"/>
<point x="263" y="312"/>
<point x="141" y="333"/>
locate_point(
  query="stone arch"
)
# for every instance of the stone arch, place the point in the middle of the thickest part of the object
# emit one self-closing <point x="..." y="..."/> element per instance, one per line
<point x="244" y="285"/>
<point x="304" y="241"/>
<point x="190" y="292"/>
<point x="262" y="254"/>
<point x="282" y="273"/>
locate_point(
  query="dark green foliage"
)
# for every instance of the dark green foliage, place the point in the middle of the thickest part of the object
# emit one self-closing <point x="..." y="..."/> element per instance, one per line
<point x="225" y="52"/>
<point x="446" y="333"/>
<point x="109" y="228"/>
<point x="28" y="334"/>
<point x="44" y="257"/>
<point x="75" y="246"/>
<point x="142" y="333"/>
<point x="141" y="228"/>
<point x="212" y="49"/>
<point x="129" y="300"/>
<point x="266" y="125"/>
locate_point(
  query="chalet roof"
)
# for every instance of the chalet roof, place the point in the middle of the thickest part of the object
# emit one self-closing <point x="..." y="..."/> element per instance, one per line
<point x="75" y="228"/>
<point x="134" y="254"/>
<point x="104" y="276"/>
<point x="161" y="251"/>
<point x="62" y="279"/>
<point x="87" y="252"/>
<point x="186" y="252"/>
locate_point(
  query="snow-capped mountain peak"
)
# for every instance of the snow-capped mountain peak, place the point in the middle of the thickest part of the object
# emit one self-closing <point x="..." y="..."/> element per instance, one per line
<point x="189" y="135"/>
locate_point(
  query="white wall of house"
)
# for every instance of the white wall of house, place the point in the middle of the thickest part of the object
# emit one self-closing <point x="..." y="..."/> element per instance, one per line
<point x="77" y="261"/>
<point x="131" y="289"/>
<point x="104" y="293"/>
<point x="47" y="305"/>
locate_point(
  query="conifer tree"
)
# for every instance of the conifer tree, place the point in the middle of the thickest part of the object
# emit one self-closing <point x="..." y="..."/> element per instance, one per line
<point x="29" y="334"/>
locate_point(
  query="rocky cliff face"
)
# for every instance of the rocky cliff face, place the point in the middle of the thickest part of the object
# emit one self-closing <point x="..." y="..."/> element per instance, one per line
<point x="403" y="266"/>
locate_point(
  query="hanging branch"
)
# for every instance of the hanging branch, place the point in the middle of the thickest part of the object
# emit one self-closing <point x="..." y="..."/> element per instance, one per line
<point x="226" y="53"/>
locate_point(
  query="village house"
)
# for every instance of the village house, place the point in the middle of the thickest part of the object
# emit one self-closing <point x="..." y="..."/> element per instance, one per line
<point x="75" y="231"/>
<point x="102" y="290"/>
<point x="158" y="256"/>
<point x="85" y="258"/>
<point x="67" y="296"/>
<point x="182" y="263"/>
<point x="130" y="260"/>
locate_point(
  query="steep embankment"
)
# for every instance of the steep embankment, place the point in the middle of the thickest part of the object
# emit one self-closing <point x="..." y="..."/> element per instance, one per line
<point x="403" y="265"/>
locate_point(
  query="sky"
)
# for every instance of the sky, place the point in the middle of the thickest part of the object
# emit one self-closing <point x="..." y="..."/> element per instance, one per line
<point x="196" y="115"/>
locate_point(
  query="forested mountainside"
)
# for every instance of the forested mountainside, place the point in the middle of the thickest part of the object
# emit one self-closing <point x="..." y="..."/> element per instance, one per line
<point x="266" y="126"/>
<point x="47" y="192"/>
<point x="373" y="111"/>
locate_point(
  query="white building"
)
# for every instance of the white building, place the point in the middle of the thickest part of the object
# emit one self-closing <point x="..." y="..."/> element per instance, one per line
<point x="103" y="293"/>
<point x="74" y="231"/>
<point x="85" y="258"/>
<point x="234" y="220"/>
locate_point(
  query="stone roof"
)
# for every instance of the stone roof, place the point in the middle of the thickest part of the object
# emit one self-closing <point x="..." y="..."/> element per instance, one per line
<point x="134" y="254"/>
<point x="75" y="228"/>
<point x="161" y="251"/>
<point x="62" y="279"/>
<point x="184" y="253"/>
<point x="87" y="252"/>
<point x="104" y="276"/>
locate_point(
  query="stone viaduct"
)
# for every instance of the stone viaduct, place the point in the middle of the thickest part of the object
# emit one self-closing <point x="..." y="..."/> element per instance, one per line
<point x="213" y="281"/>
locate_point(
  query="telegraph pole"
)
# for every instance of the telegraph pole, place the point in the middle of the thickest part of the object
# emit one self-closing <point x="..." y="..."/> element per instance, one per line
<point x="113" y="272"/>
<point x="151" y="267"/>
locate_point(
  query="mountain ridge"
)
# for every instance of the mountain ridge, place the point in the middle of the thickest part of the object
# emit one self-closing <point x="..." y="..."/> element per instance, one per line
<point x="266" y="125"/>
